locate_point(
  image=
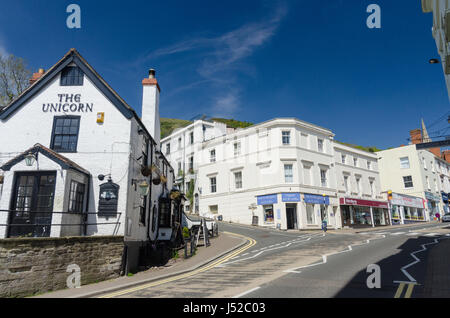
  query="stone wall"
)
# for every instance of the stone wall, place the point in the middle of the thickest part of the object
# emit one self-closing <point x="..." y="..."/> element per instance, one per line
<point x="31" y="266"/>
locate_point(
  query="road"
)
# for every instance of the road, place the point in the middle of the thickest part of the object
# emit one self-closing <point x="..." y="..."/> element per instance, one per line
<point x="281" y="264"/>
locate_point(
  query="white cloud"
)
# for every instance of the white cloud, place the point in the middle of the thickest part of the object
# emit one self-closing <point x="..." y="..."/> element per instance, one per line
<point x="220" y="59"/>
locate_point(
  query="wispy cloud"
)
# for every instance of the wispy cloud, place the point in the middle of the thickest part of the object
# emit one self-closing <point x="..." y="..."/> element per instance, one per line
<point x="220" y="59"/>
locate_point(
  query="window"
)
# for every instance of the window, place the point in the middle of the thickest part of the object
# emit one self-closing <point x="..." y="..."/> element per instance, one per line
<point x="408" y="181"/>
<point x="343" y="158"/>
<point x="320" y="145"/>
<point x="404" y="163"/>
<point x="323" y="178"/>
<point x="358" y="185"/>
<point x="213" y="209"/>
<point x="286" y="137"/>
<point x="372" y="188"/>
<point x="307" y="175"/>
<point x="213" y="182"/>
<point x="180" y="172"/>
<point x="179" y="143"/>
<point x="65" y="133"/>
<point x="144" y="161"/>
<point x="288" y="174"/>
<point x="369" y="165"/>
<point x="76" y="197"/>
<point x="428" y="183"/>
<point x="72" y="76"/>
<point x="167" y="149"/>
<point x="355" y="162"/>
<point x="424" y="163"/>
<point x="191" y="138"/>
<point x="142" y="209"/>
<point x="237" y="148"/>
<point x="347" y="189"/>
<point x="191" y="164"/>
<point x="212" y="155"/>
<point x="238" y="179"/>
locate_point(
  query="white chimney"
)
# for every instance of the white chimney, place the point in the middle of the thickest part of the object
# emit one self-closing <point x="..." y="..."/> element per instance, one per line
<point x="150" y="106"/>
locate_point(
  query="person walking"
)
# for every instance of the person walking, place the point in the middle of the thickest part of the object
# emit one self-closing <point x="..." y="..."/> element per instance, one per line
<point x="324" y="225"/>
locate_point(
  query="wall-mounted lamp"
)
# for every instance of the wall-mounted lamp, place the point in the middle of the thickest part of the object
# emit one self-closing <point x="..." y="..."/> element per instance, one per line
<point x="143" y="186"/>
<point x="30" y="158"/>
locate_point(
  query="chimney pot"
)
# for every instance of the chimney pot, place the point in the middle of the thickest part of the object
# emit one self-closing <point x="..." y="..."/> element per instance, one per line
<point x="151" y="73"/>
<point x="41" y="71"/>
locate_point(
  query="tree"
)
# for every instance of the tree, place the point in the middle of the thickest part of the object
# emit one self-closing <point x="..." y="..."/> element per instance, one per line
<point x="14" y="78"/>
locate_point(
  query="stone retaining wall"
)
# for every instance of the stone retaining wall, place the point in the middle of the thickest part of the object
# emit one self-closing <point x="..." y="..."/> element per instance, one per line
<point x="36" y="265"/>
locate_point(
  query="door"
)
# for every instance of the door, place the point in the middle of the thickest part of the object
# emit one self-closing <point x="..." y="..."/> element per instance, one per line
<point x="32" y="204"/>
<point x="291" y="216"/>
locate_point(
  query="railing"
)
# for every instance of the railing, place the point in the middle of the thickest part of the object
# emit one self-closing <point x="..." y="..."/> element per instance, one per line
<point x="19" y="222"/>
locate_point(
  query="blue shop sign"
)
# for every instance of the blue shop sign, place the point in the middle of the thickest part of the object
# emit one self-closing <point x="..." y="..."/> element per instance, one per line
<point x="316" y="199"/>
<point x="431" y="197"/>
<point x="444" y="197"/>
<point x="290" y="197"/>
<point x="267" y="199"/>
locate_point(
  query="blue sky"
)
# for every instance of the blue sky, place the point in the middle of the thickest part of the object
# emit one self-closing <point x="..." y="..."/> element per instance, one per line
<point x="252" y="60"/>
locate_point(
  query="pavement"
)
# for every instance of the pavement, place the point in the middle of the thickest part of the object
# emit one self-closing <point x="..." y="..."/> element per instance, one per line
<point x="220" y="246"/>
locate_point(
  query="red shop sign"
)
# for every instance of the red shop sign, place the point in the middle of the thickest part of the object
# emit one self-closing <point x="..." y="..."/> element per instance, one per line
<point x="375" y="204"/>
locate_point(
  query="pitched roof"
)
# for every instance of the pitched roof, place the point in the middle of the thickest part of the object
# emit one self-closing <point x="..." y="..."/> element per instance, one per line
<point x="64" y="162"/>
<point x="73" y="56"/>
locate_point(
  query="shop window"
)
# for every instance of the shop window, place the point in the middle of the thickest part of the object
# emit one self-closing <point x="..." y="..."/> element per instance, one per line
<point x="72" y="76"/>
<point x="408" y="182"/>
<point x="268" y="213"/>
<point x="76" y="196"/>
<point x="310" y="216"/>
<point x="65" y="133"/>
<point x="213" y="209"/>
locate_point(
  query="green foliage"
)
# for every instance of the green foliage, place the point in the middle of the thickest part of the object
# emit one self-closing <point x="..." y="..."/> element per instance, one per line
<point x="186" y="233"/>
<point x="14" y="78"/>
<point x="168" y="125"/>
<point x="367" y="149"/>
<point x="233" y="123"/>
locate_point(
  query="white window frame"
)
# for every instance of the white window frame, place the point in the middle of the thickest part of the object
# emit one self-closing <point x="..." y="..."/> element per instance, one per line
<point x="238" y="183"/>
<point x="289" y="178"/>
<point x="288" y="137"/>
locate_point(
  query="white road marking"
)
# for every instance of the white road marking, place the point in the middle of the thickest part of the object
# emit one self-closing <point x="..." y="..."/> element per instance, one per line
<point x="417" y="260"/>
<point x="413" y="233"/>
<point x="431" y="234"/>
<point x="247" y="292"/>
<point x="398" y="233"/>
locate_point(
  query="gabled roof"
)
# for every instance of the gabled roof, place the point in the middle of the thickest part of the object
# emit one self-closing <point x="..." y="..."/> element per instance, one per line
<point x="64" y="162"/>
<point x="70" y="57"/>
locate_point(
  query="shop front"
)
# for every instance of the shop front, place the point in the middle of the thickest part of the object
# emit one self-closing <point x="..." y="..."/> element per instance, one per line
<point x="267" y="202"/>
<point x="445" y="200"/>
<point x="318" y="209"/>
<point x="406" y="209"/>
<point x="432" y="204"/>
<point x="291" y="207"/>
<point x="364" y="213"/>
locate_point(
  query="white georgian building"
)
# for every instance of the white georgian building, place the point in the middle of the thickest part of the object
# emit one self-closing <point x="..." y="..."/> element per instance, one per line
<point x="284" y="173"/>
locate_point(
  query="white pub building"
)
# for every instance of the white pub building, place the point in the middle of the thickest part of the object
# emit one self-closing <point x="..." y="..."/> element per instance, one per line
<point x="75" y="159"/>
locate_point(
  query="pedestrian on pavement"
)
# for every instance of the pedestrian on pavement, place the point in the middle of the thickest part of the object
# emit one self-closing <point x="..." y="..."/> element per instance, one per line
<point x="324" y="225"/>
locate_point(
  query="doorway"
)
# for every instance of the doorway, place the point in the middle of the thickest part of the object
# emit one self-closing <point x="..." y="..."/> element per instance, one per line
<point x="32" y="204"/>
<point x="291" y="216"/>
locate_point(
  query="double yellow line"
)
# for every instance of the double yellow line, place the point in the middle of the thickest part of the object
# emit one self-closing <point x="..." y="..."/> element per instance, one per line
<point x="251" y="242"/>
<point x="409" y="290"/>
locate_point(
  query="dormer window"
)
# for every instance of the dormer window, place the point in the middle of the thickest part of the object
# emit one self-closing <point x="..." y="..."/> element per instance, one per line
<point x="72" y="76"/>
